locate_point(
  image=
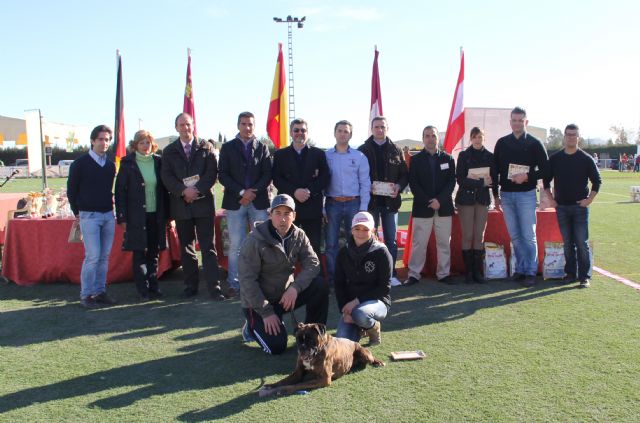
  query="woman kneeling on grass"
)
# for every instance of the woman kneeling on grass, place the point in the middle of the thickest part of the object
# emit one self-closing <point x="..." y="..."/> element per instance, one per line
<point x="362" y="282"/>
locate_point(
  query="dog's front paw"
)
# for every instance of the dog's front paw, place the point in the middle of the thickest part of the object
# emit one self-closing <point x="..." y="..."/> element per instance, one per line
<point x="266" y="391"/>
<point x="378" y="363"/>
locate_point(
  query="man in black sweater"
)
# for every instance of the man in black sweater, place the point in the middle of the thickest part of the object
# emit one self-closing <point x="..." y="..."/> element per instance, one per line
<point x="91" y="199"/>
<point x="520" y="160"/>
<point x="571" y="169"/>
<point x="387" y="170"/>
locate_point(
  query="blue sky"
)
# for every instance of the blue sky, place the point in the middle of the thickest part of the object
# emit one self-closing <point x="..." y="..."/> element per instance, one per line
<point x="570" y="61"/>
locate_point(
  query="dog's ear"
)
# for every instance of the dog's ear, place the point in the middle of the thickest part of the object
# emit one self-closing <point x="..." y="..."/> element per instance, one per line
<point x="298" y="327"/>
<point x="322" y="329"/>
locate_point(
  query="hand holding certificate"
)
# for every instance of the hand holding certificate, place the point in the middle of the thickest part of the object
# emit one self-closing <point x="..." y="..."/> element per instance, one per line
<point x="387" y="189"/>
<point x="517" y="169"/>
<point x="478" y="172"/>
<point x="191" y="193"/>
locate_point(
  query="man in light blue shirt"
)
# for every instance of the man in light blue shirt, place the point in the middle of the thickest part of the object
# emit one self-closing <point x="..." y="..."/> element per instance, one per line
<point x="348" y="192"/>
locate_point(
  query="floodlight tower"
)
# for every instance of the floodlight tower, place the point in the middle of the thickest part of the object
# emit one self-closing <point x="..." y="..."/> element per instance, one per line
<point x="289" y="20"/>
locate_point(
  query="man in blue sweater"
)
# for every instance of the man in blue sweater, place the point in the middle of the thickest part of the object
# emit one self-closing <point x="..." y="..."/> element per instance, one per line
<point x="571" y="169"/>
<point x="89" y="189"/>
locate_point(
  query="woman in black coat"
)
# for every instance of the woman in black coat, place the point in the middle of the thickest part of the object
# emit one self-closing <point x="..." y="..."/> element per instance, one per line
<point x="475" y="174"/>
<point x="141" y="210"/>
<point x="362" y="282"/>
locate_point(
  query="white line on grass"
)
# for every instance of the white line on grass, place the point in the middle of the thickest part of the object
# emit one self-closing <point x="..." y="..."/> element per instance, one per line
<point x="617" y="278"/>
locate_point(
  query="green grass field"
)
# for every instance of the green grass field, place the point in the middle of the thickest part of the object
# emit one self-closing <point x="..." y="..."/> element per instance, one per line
<point x="495" y="352"/>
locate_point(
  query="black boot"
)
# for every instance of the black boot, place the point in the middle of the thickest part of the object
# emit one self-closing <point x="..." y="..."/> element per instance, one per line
<point x="467" y="256"/>
<point x="152" y="275"/>
<point x="139" y="275"/>
<point x="478" y="256"/>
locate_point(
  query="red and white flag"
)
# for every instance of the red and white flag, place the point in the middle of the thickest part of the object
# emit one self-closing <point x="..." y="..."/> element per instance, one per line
<point x="455" y="125"/>
<point x="119" y="140"/>
<point x="189" y="103"/>
<point x="376" y="94"/>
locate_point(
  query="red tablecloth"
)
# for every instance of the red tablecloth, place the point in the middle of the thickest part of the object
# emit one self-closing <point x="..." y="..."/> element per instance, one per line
<point x="8" y="201"/>
<point x="221" y="238"/>
<point x="37" y="251"/>
<point x="546" y="230"/>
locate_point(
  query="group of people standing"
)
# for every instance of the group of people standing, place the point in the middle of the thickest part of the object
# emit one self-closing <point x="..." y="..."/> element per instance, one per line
<point x="356" y="189"/>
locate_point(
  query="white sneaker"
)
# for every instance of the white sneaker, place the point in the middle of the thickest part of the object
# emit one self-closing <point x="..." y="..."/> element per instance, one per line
<point x="395" y="281"/>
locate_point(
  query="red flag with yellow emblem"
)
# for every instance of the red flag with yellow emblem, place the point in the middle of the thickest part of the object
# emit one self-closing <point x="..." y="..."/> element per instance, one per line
<point x="189" y="103"/>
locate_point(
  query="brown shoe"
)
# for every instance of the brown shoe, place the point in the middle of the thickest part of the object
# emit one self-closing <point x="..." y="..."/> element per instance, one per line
<point x="232" y="293"/>
<point x="374" y="335"/>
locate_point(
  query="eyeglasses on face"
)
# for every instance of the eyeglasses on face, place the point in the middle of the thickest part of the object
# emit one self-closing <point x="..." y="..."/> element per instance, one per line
<point x="296" y="130"/>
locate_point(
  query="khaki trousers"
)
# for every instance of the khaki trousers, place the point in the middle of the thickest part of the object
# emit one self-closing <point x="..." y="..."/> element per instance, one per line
<point x="473" y="221"/>
<point x="420" y="239"/>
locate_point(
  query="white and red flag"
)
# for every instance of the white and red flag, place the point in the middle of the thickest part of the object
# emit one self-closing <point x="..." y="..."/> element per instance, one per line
<point x="376" y="94"/>
<point x="455" y="126"/>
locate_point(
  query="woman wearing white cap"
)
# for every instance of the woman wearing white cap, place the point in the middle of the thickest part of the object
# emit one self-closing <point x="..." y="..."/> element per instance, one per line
<point x="362" y="282"/>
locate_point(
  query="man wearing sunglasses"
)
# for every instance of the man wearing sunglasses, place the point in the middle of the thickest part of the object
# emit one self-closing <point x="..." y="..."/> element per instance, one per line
<point x="301" y="171"/>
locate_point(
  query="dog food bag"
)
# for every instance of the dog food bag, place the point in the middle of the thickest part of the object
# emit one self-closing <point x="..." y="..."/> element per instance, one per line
<point x="553" y="265"/>
<point x="495" y="261"/>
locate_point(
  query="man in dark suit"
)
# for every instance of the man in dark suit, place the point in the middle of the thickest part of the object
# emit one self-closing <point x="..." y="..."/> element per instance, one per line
<point x="189" y="171"/>
<point x="301" y="171"/>
<point x="432" y="178"/>
<point x="245" y="173"/>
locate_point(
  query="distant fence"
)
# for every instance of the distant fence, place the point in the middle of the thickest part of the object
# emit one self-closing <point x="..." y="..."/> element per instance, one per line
<point x="53" y="171"/>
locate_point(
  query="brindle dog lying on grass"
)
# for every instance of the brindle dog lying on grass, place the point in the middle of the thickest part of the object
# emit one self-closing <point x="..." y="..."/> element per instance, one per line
<point x="321" y="358"/>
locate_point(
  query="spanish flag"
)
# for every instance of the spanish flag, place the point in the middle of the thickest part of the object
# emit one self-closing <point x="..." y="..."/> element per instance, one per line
<point x="119" y="140"/>
<point x="278" y="118"/>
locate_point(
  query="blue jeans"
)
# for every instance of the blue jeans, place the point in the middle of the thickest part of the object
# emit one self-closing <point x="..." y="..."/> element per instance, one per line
<point x="520" y="216"/>
<point x="338" y="214"/>
<point x="364" y="316"/>
<point x="389" y="228"/>
<point x="239" y="222"/>
<point x="574" y="227"/>
<point x="97" y="235"/>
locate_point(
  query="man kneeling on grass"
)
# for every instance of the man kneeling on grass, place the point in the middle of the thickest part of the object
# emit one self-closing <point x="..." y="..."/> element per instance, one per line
<point x="268" y="287"/>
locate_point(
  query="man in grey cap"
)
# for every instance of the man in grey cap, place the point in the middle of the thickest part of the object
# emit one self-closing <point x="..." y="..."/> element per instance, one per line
<point x="268" y="285"/>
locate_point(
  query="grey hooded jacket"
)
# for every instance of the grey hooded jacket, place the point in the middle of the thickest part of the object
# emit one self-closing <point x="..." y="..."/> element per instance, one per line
<point x="265" y="270"/>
